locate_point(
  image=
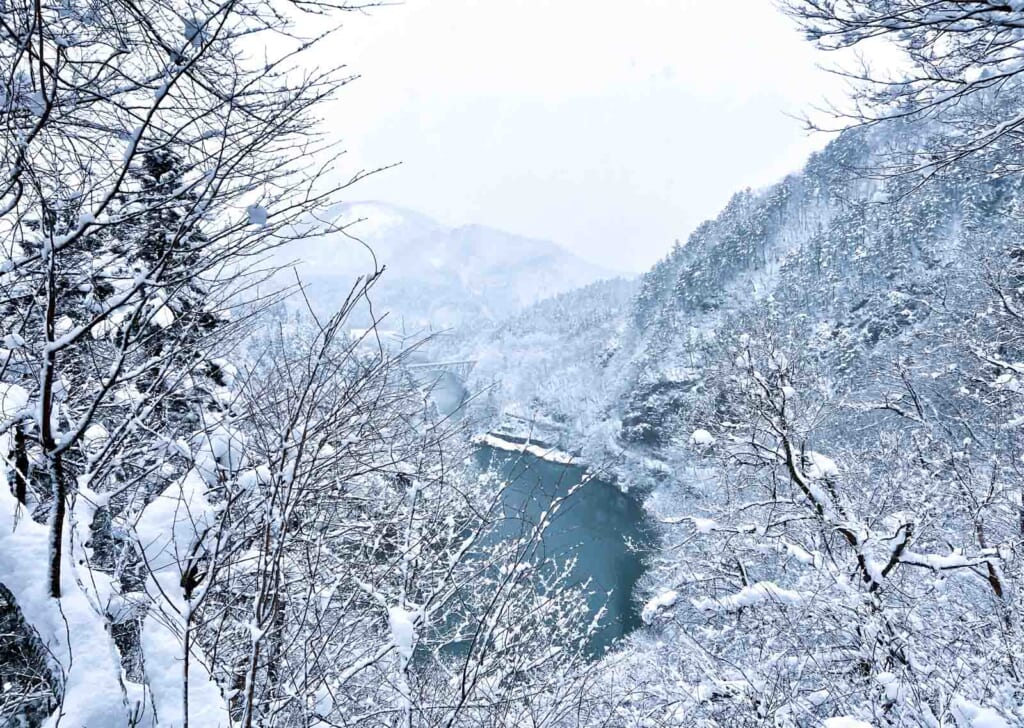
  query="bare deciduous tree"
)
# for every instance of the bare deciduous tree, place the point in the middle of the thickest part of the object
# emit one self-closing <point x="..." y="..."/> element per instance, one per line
<point x="958" y="72"/>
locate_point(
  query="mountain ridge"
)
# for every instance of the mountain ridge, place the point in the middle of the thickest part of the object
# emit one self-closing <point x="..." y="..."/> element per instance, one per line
<point x="436" y="276"/>
<point x="814" y="245"/>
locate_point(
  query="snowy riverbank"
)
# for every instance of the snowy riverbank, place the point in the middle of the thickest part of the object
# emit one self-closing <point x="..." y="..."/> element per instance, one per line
<point x="536" y="449"/>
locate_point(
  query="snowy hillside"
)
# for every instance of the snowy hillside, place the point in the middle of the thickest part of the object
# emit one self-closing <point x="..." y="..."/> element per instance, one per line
<point x="818" y="395"/>
<point x="821" y="247"/>
<point x="542" y="367"/>
<point x="780" y="480"/>
<point x="435" y="275"/>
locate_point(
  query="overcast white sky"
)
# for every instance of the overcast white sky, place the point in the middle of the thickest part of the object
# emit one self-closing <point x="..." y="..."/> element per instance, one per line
<point x="611" y="127"/>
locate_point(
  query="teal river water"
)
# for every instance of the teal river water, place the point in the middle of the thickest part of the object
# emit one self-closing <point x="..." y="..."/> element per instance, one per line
<point x="600" y="526"/>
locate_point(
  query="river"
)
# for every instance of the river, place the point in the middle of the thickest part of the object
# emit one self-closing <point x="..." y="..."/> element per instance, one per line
<point x="599" y="525"/>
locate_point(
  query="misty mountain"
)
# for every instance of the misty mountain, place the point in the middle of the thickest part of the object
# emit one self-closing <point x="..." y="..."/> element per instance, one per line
<point x="435" y="276"/>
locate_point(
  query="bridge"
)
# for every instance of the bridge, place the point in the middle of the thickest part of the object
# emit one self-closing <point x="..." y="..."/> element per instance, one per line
<point x="459" y="368"/>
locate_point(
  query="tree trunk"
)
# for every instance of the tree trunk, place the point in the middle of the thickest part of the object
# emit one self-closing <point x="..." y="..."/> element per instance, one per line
<point x="57" y="524"/>
<point x="46" y="415"/>
<point x="20" y="464"/>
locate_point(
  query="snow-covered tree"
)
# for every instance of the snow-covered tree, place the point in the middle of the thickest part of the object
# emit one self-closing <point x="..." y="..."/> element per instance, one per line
<point x="958" y="63"/>
<point x="356" y="576"/>
<point x="202" y="524"/>
<point x="147" y="162"/>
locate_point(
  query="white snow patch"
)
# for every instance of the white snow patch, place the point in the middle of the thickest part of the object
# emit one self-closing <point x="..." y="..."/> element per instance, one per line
<point x="170" y="529"/>
<point x="655" y="606"/>
<point x="63" y="325"/>
<point x="257" y="215"/>
<point x="403" y="631"/>
<point x="260" y="475"/>
<point x="71" y="629"/>
<point x="844" y="721"/>
<point x="938" y="562"/>
<point x="95" y="438"/>
<point x="972" y="715"/>
<point x="891" y="684"/>
<point x="228" y="371"/>
<point x="800" y="554"/>
<point x="552" y="455"/>
<point x="13" y="400"/>
<point x="818" y="697"/>
<point x="704" y="525"/>
<point x="821" y="466"/>
<point x="702" y="438"/>
<point x="162" y="317"/>
<point x="221" y="449"/>
<point x="750" y="596"/>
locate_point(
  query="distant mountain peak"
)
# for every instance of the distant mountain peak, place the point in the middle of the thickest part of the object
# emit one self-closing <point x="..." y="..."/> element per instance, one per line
<point x="436" y="275"/>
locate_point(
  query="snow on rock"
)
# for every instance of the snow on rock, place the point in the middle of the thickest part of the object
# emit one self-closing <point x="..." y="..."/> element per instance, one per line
<point x="173" y="522"/>
<point x="163" y="654"/>
<point x="63" y="325"/>
<point x="891" y="685"/>
<point x="80" y="650"/>
<point x="403" y="631"/>
<point x="702" y="438"/>
<point x="13" y="400"/>
<point x="227" y="371"/>
<point x="13" y="340"/>
<point x="103" y="329"/>
<point x="750" y="596"/>
<point x="1007" y="381"/>
<point x="802" y="555"/>
<point x="128" y="395"/>
<point x="818" y="697"/>
<point x="252" y="477"/>
<point x="163" y="316"/>
<point x="659" y="603"/>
